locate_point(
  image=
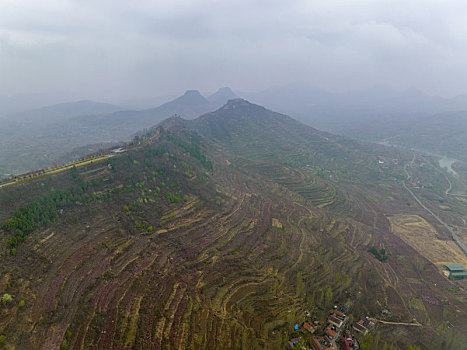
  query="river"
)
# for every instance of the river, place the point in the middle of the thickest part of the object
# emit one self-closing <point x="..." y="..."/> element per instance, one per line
<point x="446" y="163"/>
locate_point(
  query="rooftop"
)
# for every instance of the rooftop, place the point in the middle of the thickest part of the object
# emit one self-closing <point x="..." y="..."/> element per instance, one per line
<point x="455" y="268"/>
<point x="315" y="344"/>
<point x="338" y="313"/>
<point x="359" y="327"/>
<point x="335" y="321"/>
<point x="308" y="326"/>
<point x="331" y="332"/>
<point x="458" y="273"/>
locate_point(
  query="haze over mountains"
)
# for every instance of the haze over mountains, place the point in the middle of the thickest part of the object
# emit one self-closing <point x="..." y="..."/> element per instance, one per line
<point x="62" y="112"/>
<point x="376" y="100"/>
<point x="40" y="138"/>
<point x="338" y="111"/>
<point x="44" y="135"/>
<point x="408" y="118"/>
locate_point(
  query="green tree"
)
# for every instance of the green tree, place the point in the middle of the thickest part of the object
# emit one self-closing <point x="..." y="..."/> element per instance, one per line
<point x="367" y="343"/>
<point x="64" y="345"/>
<point x="6" y="298"/>
<point x="414" y="347"/>
<point x="328" y="296"/>
<point x="300" y="285"/>
<point x="337" y="277"/>
<point x="377" y="341"/>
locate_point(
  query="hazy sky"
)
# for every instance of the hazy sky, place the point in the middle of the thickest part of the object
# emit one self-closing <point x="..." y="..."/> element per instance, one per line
<point x="131" y="48"/>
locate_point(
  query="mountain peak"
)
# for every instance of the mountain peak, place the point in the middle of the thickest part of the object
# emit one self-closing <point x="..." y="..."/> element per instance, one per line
<point x="190" y="104"/>
<point x="225" y="91"/>
<point x="221" y="96"/>
<point x="190" y="96"/>
<point x="236" y="103"/>
<point x="192" y="93"/>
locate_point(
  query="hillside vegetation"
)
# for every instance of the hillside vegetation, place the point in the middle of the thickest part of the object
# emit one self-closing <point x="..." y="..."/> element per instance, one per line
<point x="218" y="233"/>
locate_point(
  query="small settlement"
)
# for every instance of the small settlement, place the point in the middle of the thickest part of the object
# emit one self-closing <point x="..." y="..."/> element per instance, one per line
<point x="338" y="333"/>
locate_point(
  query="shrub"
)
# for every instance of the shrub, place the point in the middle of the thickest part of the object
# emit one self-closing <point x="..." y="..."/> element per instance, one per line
<point x="64" y="345"/>
<point x="379" y="254"/>
<point x="7" y="298"/>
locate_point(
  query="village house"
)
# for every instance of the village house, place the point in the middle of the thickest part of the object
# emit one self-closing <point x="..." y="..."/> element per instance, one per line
<point x="351" y="341"/>
<point x="322" y="343"/>
<point x="330" y="333"/>
<point x="359" y="327"/>
<point x="337" y="318"/>
<point x="291" y="343"/>
<point x="308" y="327"/>
<point x="315" y="344"/>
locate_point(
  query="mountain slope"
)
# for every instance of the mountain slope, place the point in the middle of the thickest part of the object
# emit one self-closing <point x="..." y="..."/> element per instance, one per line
<point x="254" y="132"/>
<point x="42" y="137"/>
<point x="218" y="232"/>
<point x="190" y="105"/>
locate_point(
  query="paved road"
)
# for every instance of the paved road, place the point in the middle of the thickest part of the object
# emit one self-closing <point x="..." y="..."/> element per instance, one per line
<point x="50" y="172"/>
<point x="8" y="183"/>
<point x="449" y="228"/>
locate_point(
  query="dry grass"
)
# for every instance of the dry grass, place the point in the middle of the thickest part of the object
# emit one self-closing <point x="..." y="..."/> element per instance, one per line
<point x="420" y="235"/>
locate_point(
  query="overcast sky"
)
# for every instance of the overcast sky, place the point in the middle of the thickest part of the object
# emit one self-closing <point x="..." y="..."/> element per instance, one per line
<point x="126" y="49"/>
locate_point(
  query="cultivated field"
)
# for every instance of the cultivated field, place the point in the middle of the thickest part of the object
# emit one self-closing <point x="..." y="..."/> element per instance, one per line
<point x="420" y="235"/>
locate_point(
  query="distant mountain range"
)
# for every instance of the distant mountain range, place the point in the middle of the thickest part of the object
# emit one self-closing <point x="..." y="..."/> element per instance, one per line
<point x="40" y="137"/>
<point x="122" y="124"/>
<point x="25" y="102"/>
<point x="63" y="111"/>
<point x="375" y="102"/>
<point x="409" y="118"/>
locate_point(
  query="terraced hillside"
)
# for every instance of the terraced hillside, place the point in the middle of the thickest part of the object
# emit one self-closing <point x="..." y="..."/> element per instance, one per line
<point x="220" y="238"/>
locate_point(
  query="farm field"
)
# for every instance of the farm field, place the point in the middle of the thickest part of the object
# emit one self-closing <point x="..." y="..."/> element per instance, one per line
<point x="420" y="235"/>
